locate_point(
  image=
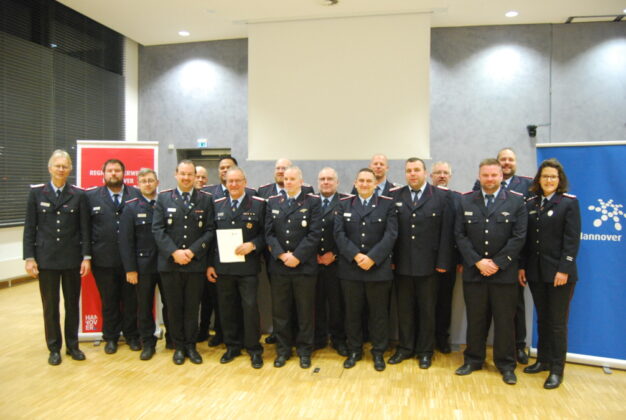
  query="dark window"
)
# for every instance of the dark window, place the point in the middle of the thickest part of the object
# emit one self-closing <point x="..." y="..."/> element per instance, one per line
<point x="61" y="80"/>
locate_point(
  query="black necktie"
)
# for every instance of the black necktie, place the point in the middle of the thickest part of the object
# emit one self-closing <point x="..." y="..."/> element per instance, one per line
<point x="186" y="198"/>
<point x="233" y="206"/>
<point x="544" y="202"/>
<point x="58" y="193"/>
<point x="152" y="202"/>
<point x="364" y="203"/>
<point x="283" y="193"/>
<point x="290" y="201"/>
<point x="416" y="196"/>
<point x="325" y="203"/>
<point x="116" y="200"/>
<point x="377" y="191"/>
<point x="489" y="200"/>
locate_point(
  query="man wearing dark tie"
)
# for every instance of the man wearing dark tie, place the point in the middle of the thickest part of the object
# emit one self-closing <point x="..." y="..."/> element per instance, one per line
<point x="365" y="229"/>
<point x="521" y="184"/>
<point x="490" y="232"/>
<point x="423" y="249"/>
<point x="329" y="305"/>
<point x="119" y="299"/>
<point x="238" y="281"/>
<point x="139" y="256"/>
<point x="292" y="233"/>
<point x="183" y="229"/>
<point x="57" y="250"/>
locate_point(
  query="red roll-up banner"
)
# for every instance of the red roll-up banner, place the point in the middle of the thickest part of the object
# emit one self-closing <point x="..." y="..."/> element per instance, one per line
<point x="90" y="156"/>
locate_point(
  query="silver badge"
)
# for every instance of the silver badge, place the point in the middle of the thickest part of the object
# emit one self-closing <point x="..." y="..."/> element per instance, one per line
<point x="304" y="223"/>
<point x="169" y="221"/>
<point x="200" y="223"/>
<point x="550" y="213"/>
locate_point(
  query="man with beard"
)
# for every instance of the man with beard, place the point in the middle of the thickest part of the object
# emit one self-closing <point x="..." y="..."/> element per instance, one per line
<point x="119" y="299"/>
<point x="139" y="255"/>
<point x="183" y="229"/>
<point x="57" y="216"/>
<point x="520" y="184"/>
<point x="490" y="231"/>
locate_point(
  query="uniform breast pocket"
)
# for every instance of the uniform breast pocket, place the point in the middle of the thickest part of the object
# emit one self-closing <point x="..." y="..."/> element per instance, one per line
<point x="470" y="220"/>
<point x="144" y="253"/>
<point x="143" y="221"/>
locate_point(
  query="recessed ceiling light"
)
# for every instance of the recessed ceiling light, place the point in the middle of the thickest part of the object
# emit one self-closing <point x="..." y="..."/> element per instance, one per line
<point x="511" y="13"/>
<point x="183" y="33"/>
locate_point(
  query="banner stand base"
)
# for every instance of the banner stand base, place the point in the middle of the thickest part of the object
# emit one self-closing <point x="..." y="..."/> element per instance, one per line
<point x="604" y="362"/>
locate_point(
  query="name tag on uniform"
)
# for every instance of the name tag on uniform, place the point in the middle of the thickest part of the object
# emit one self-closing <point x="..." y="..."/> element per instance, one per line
<point x="399" y="204"/>
<point x="171" y="209"/>
<point x="95" y="208"/>
<point x="505" y="213"/>
<point x="220" y="214"/>
<point x="46" y="204"/>
<point x="469" y="213"/>
<point x="532" y="212"/>
<point x="347" y="215"/>
<point x="303" y="210"/>
<point x="143" y="215"/>
<point x="274" y="211"/>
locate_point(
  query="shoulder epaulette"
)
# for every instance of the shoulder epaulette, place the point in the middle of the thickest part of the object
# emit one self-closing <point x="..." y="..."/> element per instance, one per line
<point x="36" y="185"/>
<point x="220" y="200"/>
<point x="568" y="195"/>
<point x="346" y="197"/>
<point x="95" y="187"/>
<point x="77" y="187"/>
<point x="384" y="197"/>
<point x="166" y="191"/>
<point x="395" y="184"/>
<point x="516" y="193"/>
<point x="469" y="192"/>
<point x="256" y="197"/>
<point x="131" y="200"/>
<point x="205" y="192"/>
<point x="210" y="186"/>
<point x="313" y="195"/>
<point x="527" y="177"/>
<point x="304" y="184"/>
<point x="441" y="187"/>
<point x="396" y="188"/>
<point x="266" y="185"/>
<point x="274" y="196"/>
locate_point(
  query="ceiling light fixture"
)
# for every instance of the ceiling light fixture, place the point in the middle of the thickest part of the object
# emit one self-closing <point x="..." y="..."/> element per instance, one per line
<point x="511" y="13"/>
<point x="183" y="33"/>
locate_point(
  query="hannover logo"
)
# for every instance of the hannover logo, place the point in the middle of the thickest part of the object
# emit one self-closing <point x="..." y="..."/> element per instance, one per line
<point x="608" y="212"/>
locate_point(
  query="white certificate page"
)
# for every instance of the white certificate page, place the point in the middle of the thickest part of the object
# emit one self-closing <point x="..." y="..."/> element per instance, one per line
<point x="227" y="241"/>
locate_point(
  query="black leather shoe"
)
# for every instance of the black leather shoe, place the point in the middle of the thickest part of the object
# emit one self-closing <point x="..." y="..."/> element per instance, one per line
<point x="257" y="361"/>
<point x="216" y="340"/>
<point x="229" y="356"/>
<point x="134" y="344"/>
<point x="425" y="361"/>
<point x="147" y="353"/>
<point x="342" y="349"/>
<point x="379" y="362"/>
<point x="351" y="360"/>
<point x="193" y="355"/>
<point x="55" y="358"/>
<point x="110" y="347"/>
<point x="76" y="354"/>
<point x="466" y="369"/>
<point x="305" y="362"/>
<point x="509" y="378"/>
<point x="398" y="357"/>
<point x="521" y="356"/>
<point x="553" y="381"/>
<point x="444" y="347"/>
<point x="270" y="339"/>
<point x="280" y="360"/>
<point x="179" y="357"/>
<point x="537" y="367"/>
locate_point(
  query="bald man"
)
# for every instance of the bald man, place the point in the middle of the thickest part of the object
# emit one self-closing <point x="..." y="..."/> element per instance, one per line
<point x="379" y="164"/>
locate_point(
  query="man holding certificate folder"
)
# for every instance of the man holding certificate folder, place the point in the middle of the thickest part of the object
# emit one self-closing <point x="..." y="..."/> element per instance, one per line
<point x="234" y="265"/>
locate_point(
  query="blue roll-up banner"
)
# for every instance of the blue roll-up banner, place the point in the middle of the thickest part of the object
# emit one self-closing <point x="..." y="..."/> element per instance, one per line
<point x="597" y="321"/>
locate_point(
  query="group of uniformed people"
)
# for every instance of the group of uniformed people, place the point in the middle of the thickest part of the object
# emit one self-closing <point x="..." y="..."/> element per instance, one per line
<point x="332" y="260"/>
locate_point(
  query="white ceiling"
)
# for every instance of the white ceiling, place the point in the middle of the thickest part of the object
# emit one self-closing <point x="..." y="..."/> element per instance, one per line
<point x="153" y="22"/>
